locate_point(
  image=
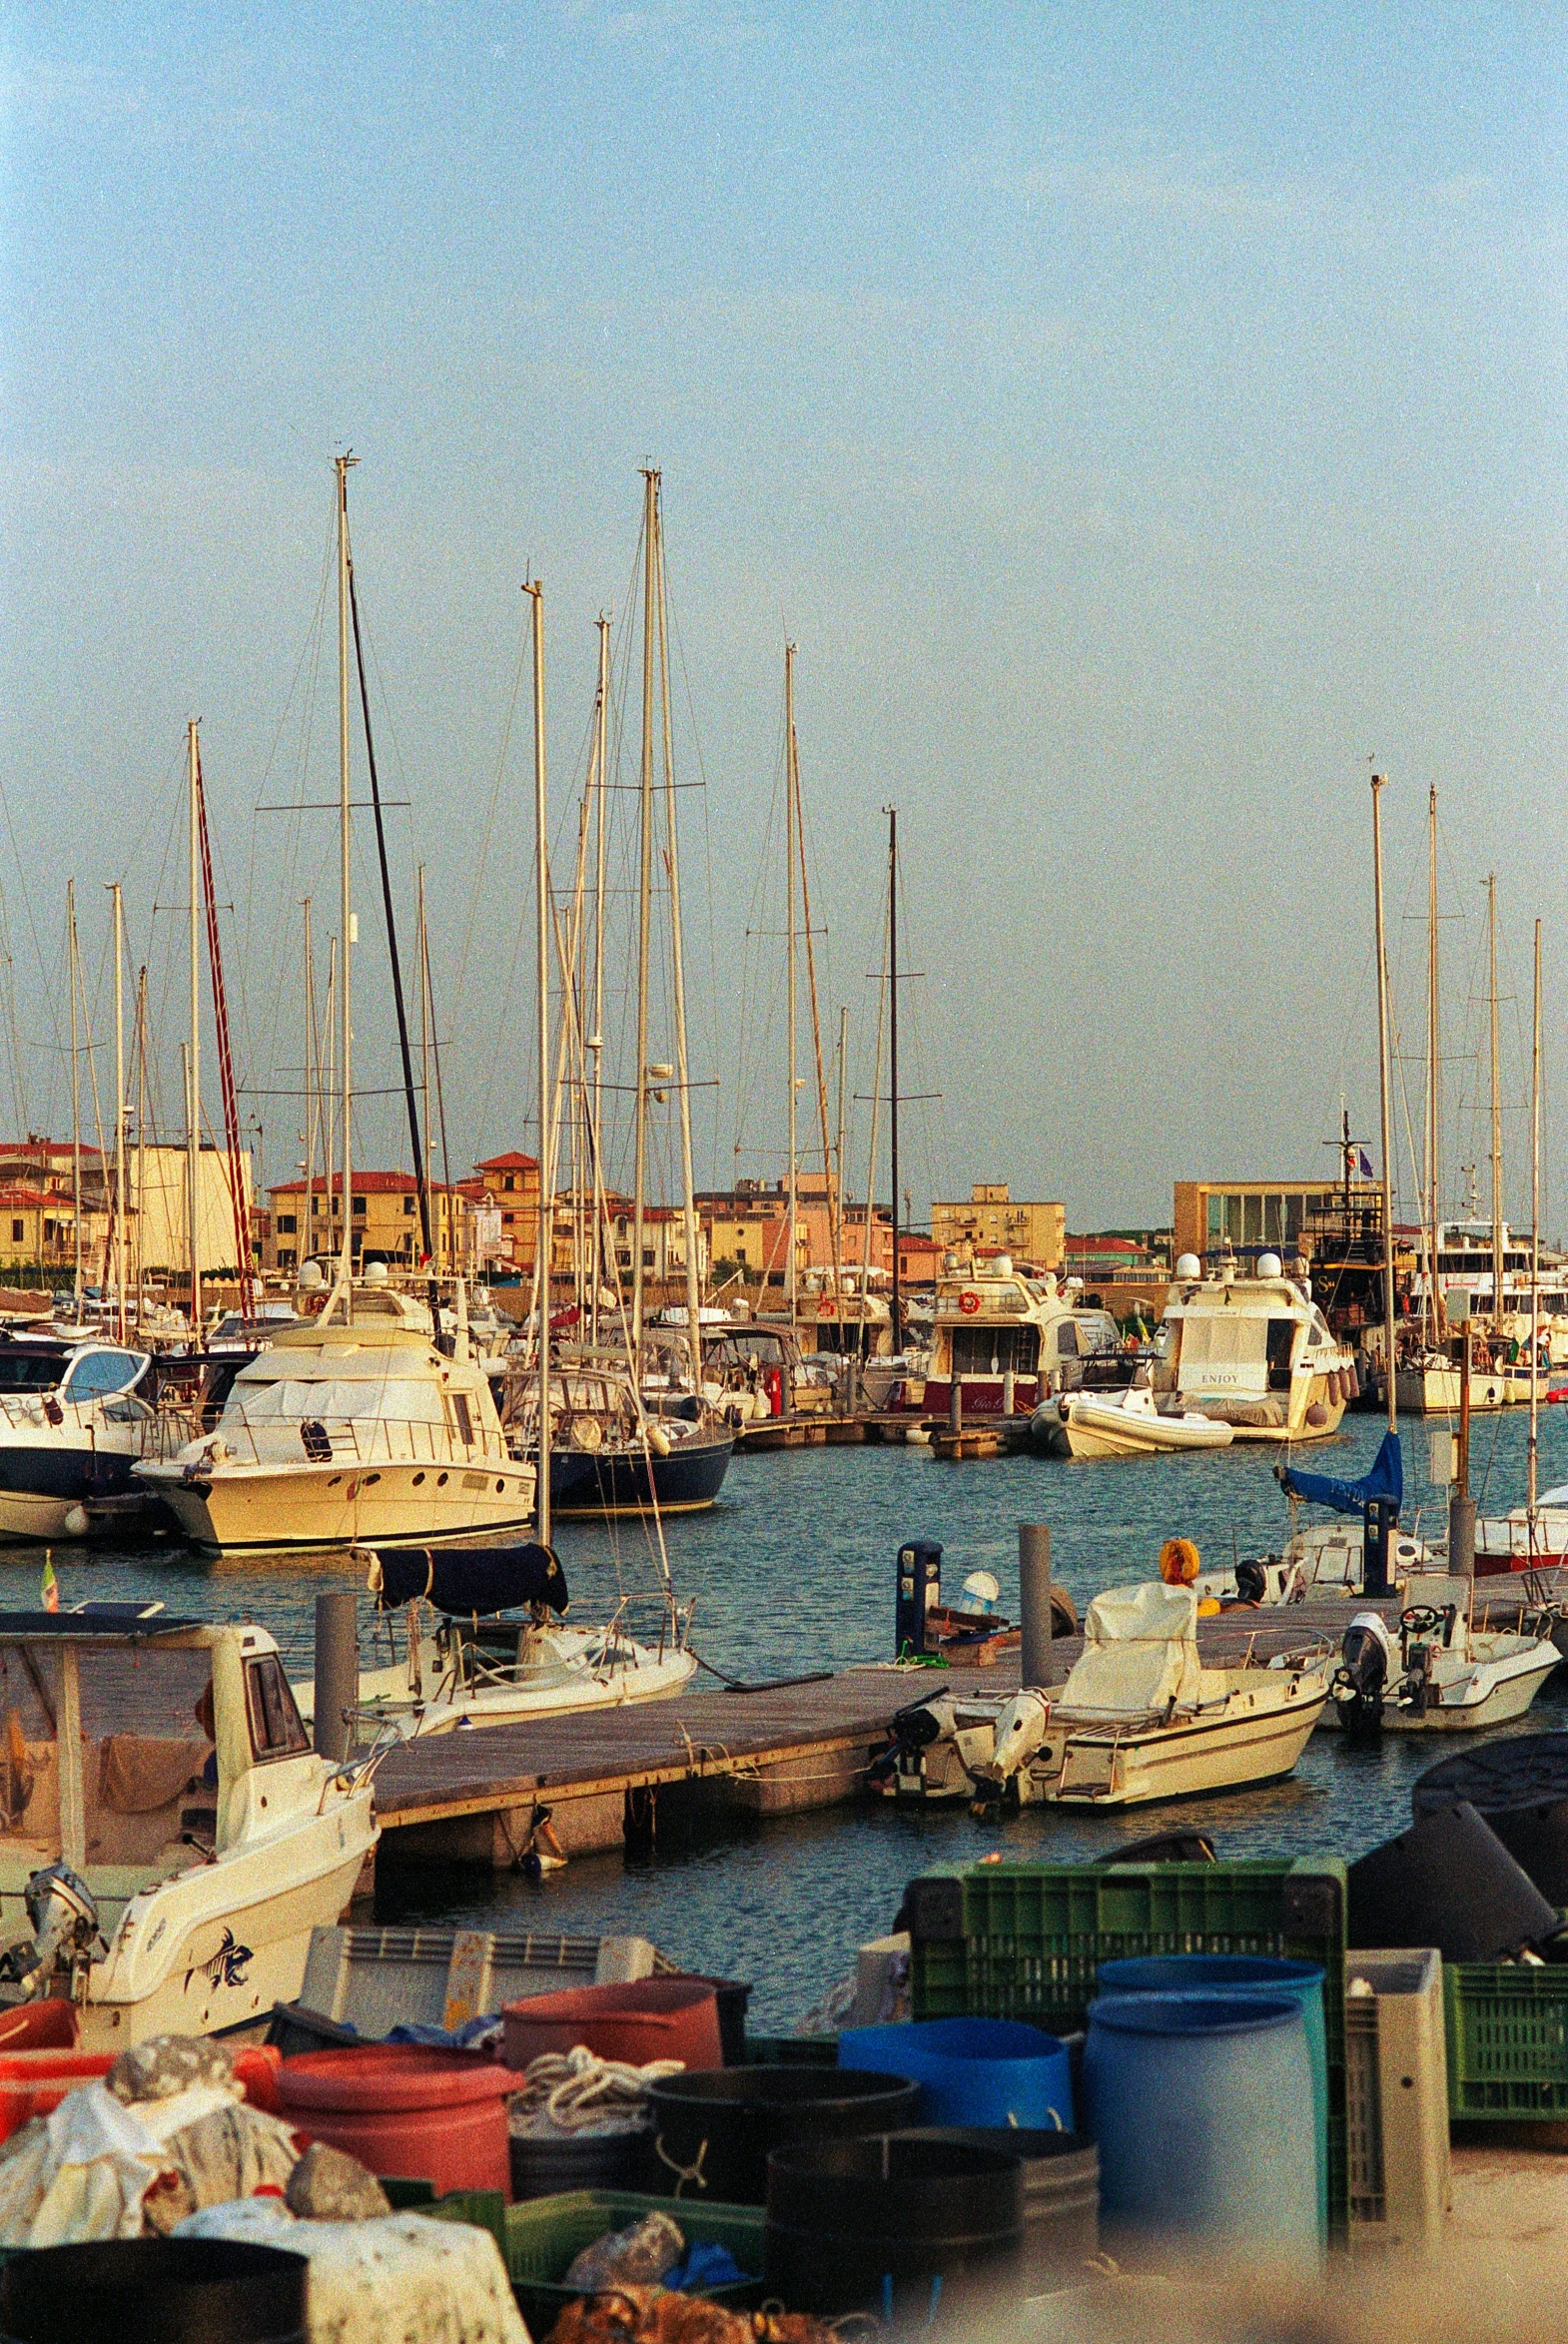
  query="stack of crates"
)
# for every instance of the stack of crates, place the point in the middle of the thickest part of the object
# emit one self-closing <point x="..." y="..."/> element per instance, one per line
<point x="1507" y="2030"/>
<point x="1024" y="1940"/>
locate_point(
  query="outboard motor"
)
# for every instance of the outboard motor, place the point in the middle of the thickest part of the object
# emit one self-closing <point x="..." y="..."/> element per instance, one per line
<point x="1020" y="1729"/>
<point x="64" y="1929"/>
<point x="1251" y="1582"/>
<point x="1359" y="1683"/>
<point x="913" y="1728"/>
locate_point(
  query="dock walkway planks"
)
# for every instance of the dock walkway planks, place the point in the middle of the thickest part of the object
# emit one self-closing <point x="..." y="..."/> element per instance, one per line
<point x="783" y="1749"/>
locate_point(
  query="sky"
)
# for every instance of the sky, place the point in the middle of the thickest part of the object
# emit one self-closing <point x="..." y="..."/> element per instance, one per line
<point x="1143" y="423"/>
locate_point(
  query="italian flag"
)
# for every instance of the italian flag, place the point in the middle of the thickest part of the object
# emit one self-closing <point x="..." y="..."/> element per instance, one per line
<point x="51" y="1588"/>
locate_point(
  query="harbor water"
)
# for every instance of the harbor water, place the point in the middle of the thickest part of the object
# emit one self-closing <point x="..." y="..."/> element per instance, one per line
<point x="793" y="1572"/>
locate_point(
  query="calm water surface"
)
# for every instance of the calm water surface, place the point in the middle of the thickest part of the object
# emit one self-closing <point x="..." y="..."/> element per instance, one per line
<point x="794" y="1571"/>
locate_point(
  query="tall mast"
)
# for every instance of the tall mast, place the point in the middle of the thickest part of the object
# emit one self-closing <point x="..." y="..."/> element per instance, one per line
<point x="597" y="1044"/>
<point x="811" y="989"/>
<point x="897" y="1309"/>
<point x="1536" y="1231"/>
<point x="1383" y="1103"/>
<point x="644" y="898"/>
<point x="119" y="1109"/>
<point x="302" y="1249"/>
<point x="421" y="949"/>
<point x="790" y="1256"/>
<point x="1434" y="1124"/>
<point x="76" y="1097"/>
<point x="193" y="1071"/>
<point x="837" y="1159"/>
<point x="544" y="1222"/>
<point x="678" y="977"/>
<point x="140" y="1048"/>
<point x="1497" y="1111"/>
<point x="343" y="1283"/>
<point x="329" y="1083"/>
<point x="876" y="1102"/>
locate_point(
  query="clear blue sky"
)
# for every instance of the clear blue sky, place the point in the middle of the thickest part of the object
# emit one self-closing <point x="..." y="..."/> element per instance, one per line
<point x="1140" y="420"/>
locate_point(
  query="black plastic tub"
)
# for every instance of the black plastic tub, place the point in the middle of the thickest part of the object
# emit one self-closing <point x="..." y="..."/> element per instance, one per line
<point x="718" y="2127"/>
<point x="154" y="2291"/>
<point x="1519" y="1788"/>
<point x="1061" y="2204"/>
<point x="894" y="2225"/>
<point x="543" y="2167"/>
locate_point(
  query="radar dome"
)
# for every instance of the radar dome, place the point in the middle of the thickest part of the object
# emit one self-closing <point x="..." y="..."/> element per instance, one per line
<point x="311" y="1278"/>
<point x="1270" y="1265"/>
<point x="1188" y="1265"/>
<point x="376" y="1273"/>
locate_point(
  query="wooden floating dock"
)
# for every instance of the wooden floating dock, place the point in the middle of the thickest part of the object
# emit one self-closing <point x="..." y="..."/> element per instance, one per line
<point x="660" y="1769"/>
<point x="825" y="1432"/>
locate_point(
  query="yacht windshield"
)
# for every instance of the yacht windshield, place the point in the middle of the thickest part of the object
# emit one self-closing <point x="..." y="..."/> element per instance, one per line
<point x="30" y="1371"/>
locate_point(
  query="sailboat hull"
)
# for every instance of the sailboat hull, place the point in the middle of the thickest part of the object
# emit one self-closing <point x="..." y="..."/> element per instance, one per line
<point x="588" y="1484"/>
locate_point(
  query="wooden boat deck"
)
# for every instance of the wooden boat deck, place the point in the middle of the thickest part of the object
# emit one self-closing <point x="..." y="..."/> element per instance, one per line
<point x="610" y="1776"/>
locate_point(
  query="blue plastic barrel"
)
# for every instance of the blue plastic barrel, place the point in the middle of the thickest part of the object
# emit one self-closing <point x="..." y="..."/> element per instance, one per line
<point x="1201" y="2105"/>
<point x="1250" y="1974"/>
<point x="974" y="2070"/>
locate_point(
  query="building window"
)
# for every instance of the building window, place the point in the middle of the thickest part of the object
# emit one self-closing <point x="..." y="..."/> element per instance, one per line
<point x="408" y="1204"/>
<point x="510" y="1182"/>
<point x="18" y="1232"/>
<point x="507" y="1218"/>
<point x="647" y="1257"/>
<point x="359" y="1205"/>
<point x="285" y="1224"/>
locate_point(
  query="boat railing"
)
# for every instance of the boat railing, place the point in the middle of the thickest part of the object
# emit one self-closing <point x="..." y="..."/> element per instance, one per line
<point x="324" y="1440"/>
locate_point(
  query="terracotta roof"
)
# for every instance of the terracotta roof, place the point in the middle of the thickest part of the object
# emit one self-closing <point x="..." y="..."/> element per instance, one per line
<point x="30" y="1197"/>
<point x="511" y="1161"/>
<point x="363" y="1184"/>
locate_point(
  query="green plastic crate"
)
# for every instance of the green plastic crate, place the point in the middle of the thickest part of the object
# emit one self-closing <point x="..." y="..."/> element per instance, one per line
<point x="545" y="2234"/>
<point x="1507" y="2029"/>
<point x="1024" y="1940"/>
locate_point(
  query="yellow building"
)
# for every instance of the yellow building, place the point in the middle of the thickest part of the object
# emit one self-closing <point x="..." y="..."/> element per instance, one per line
<point x="1212" y="1217"/>
<point x="385" y="1217"/>
<point x="994" y="1221"/>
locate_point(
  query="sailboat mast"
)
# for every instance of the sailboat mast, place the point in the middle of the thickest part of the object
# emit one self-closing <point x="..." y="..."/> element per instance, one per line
<point x="600" y="749"/>
<point x="678" y="980"/>
<point x="421" y="949"/>
<point x="76" y="1097"/>
<point x="329" y="1083"/>
<point x="140" y="1048"/>
<point x="896" y="1307"/>
<point x="838" y="1163"/>
<point x="303" y="1247"/>
<point x="1433" y="1125"/>
<point x="790" y="1257"/>
<point x="1497" y="1111"/>
<point x="119" y="1109"/>
<point x="193" y="1072"/>
<point x="1383" y="1103"/>
<point x="344" y="1283"/>
<point x="1535" y="1234"/>
<point x="545" y="1221"/>
<point x="645" y="902"/>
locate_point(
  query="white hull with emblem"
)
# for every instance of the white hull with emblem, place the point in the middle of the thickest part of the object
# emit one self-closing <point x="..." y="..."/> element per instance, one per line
<point x="162" y="1796"/>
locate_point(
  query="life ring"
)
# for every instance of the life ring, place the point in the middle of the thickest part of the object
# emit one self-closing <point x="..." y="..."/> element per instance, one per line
<point x="1178" y="1562"/>
<point x="826" y="1307"/>
<point x="968" y="1302"/>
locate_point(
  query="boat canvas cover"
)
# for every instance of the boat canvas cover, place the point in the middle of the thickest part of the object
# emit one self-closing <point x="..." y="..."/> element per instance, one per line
<point x="1223" y="1352"/>
<point x="371" y="1410"/>
<point x="1139" y="1653"/>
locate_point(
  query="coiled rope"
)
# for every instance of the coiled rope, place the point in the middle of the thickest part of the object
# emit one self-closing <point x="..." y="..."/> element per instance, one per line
<point x="576" y="2091"/>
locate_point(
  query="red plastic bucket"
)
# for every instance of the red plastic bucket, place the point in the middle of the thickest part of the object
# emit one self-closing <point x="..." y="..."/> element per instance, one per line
<point x="656" y="2018"/>
<point x="423" y="2115"/>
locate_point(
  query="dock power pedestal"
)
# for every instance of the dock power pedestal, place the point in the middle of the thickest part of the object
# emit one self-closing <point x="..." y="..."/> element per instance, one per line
<point x="919" y="1592"/>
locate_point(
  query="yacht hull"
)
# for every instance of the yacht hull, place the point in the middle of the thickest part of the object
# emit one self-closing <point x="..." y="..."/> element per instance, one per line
<point x="42" y="1483"/>
<point x="1509" y="1698"/>
<point x="234" y="1508"/>
<point x="600" y="1482"/>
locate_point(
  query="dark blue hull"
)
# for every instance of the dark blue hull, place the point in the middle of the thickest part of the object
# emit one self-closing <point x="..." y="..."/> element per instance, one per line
<point x="617" y="1480"/>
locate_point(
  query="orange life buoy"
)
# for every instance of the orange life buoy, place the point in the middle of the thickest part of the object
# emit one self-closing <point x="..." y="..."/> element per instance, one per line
<point x="968" y="1302"/>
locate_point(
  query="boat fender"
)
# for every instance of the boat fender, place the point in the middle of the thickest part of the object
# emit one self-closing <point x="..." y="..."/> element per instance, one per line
<point x="77" y="1522"/>
<point x="1178" y="1562"/>
<point x="659" y="1440"/>
<point x="1353" y="1379"/>
<point x="1317" y="1414"/>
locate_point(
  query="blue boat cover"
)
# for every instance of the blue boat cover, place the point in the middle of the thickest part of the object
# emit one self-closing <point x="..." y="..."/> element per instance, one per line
<point x="1386" y="1480"/>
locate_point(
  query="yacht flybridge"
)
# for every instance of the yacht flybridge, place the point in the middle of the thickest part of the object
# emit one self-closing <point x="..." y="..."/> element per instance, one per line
<point x="169" y="1838"/>
<point x="349" y="1426"/>
<point x="1010" y="1338"/>
<point x="1251" y="1352"/>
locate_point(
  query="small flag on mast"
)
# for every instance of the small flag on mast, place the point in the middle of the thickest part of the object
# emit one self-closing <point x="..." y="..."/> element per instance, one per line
<point x="1366" y="1164"/>
<point x="51" y="1588"/>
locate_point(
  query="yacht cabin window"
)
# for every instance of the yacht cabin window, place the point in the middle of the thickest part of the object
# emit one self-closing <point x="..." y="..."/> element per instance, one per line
<point x="100" y="1373"/>
<point x="277" y="1730"/>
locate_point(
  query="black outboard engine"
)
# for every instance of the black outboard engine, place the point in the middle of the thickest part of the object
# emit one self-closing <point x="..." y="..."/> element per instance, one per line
<point x="1251" y="1582"/>
<point x="913" y="1728"/>
<point x="1360" y="1681"/>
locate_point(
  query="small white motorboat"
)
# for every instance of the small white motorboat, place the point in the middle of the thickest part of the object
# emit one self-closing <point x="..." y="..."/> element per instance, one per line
<point x="1130" y="1425"/>
<point x="1325" y="1559"/>
<point x="1449" y="1676"/>
<point x="169" y="1840"/>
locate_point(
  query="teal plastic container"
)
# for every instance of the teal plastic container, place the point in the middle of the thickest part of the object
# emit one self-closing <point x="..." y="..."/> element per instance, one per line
<point x="1250" y="1974"/>
<point x="973" y="2070"/>
<point x="1202" y="2107"/>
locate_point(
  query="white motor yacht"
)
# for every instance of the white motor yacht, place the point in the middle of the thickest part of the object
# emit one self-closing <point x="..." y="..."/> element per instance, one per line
<point x="72" y="1429"/>
<point x="169" y="1840"/>
<point x="1252" y="1352"/>
<point x="350" y="1426"/>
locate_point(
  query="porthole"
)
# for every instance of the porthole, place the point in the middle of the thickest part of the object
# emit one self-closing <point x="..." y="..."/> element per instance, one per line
<point x="419" y="1477"/>
<point x="440" y="1481"/>
<point x="501" y="1484"/>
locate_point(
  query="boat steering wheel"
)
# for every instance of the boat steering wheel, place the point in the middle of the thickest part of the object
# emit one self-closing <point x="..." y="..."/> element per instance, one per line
<point x="1421" y="1619"/>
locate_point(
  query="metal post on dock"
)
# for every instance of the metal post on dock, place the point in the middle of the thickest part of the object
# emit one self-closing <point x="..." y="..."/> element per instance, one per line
<point x="1033" y="1609"/>
<point x="955" y="1404"/>
<point x="336" y="1670"/>
<point x="1461" y="1505"/>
